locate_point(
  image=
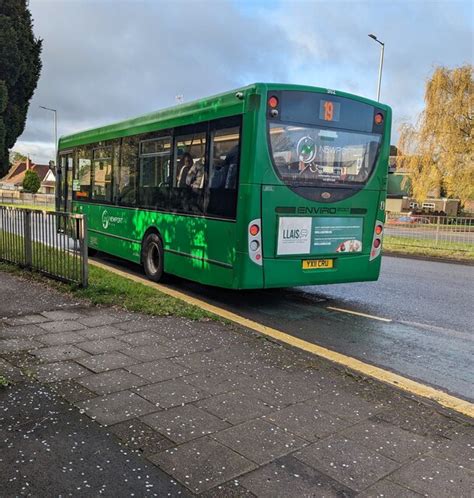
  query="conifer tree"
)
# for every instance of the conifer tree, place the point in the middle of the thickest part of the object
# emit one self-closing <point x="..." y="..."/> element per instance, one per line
<point x="20" y="67"/>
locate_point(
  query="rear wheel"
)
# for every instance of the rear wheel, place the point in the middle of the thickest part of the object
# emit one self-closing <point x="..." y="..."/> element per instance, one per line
<point x="152" y="257"/>
<point x="91" y="252"/>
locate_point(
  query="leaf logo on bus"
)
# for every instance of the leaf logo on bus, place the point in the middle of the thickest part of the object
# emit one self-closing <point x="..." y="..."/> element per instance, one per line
<point x="105" y="219"/>
<point x="108" y="220"/>
<point x="306" y="149"/>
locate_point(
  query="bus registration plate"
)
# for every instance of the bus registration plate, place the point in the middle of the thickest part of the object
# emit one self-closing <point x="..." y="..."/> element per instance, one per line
<point x="317" y="264"/>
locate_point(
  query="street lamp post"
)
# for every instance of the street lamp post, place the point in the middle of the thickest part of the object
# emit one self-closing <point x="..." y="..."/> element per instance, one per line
<point x="380" y="64"/>
<point x="55" y="132"/>
<point x="57" y="168"/>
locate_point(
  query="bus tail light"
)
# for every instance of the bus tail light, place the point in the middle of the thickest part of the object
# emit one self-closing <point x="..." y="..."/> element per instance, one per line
<point x="254" y="229"/>
<point x="273" y="102"/>
<point x="376" y="247"/>
<point x="255" y="241"/>
<point x="378" y="118"/>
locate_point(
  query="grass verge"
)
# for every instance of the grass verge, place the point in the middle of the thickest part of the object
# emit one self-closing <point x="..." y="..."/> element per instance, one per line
<point x="106" y="288"/>
<point x="426" y="248"/>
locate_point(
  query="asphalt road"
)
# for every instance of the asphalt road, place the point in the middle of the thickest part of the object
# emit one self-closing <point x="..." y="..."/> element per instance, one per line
<point x="430" y="337"/>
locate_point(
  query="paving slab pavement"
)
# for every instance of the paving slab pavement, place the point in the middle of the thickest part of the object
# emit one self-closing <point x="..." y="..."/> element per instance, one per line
<point x="49" y="449"/>
<point x="110" y="402"/>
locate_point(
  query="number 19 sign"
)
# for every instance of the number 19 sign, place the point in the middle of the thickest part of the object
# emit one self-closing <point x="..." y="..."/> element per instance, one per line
<point x="329" y="110"/>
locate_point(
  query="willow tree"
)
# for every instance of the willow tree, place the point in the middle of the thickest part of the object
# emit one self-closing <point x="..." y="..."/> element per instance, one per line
<point x="437" y="153"/>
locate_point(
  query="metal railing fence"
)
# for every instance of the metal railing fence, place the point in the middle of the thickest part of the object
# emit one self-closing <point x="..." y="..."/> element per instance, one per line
<point x="443" y="232"/>
<point x="53" y="243"/>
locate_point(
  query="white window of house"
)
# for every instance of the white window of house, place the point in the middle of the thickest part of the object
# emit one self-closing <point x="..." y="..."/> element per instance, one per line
<point x="430" y="206"/>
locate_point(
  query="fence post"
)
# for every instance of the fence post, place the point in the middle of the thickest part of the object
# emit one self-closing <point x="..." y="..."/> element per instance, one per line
<point x="84" y="252"/>
<point x="438" y="219"/>
<point x="27" y="238"/>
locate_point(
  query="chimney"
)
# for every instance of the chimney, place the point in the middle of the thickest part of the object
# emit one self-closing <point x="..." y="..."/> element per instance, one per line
<point x="27" y="163"/>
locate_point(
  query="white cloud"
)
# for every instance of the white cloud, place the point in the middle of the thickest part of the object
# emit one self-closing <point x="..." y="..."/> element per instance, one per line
<point x="108" y="60"/>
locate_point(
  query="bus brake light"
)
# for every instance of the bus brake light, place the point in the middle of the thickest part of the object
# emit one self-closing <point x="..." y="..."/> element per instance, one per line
<point x="273" y="102"/>
<point x="254" y="229"/>
<point x="255" y="241"/>
<point x="376" y="249"/>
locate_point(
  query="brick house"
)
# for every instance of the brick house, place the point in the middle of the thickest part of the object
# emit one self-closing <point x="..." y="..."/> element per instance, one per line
<point x="13" y="180"/>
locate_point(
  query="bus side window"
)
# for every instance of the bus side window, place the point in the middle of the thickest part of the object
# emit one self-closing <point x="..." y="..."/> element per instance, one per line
<point x="155" y="157"/>
<point x="190" y="177"/>
<point x="223" y="172"/>
<point x="83" y="172"/>
<point x="102" y="174"/>
<point x="127" y="173"/>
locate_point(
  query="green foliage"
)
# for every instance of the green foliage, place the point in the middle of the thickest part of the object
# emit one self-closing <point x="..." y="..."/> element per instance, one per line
<point x="4" y="382"/>
<point x="106" y="288"/>
<point x="31" y="182"/>
<point x="3" y="96"/>
<point x="20" y="67"/>
<point x="438" y="152"/>
<point x="16" y="157"/>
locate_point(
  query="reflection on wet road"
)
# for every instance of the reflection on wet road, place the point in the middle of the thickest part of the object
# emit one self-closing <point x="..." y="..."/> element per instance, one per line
<point x="428" y="334"/>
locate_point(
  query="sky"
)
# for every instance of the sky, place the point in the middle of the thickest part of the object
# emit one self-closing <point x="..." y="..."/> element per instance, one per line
<point x="107" y="60"/>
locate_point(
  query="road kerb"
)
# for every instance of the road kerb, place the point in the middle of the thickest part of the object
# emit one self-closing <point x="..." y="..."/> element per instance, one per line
<point x="457" y="404"/>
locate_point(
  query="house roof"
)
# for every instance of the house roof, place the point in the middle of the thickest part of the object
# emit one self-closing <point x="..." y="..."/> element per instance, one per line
<point x="16" y="174"/>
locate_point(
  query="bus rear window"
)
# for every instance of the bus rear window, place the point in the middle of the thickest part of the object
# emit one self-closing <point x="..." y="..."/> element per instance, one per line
<point x="320" y="139"/>
<point x="313" y="155"/>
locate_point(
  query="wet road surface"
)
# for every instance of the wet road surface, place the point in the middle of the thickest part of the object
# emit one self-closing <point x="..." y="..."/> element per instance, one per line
<point x="428" y="335"/>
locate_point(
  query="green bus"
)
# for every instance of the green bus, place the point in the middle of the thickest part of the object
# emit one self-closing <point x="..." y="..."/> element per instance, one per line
<point x="269" y="185"/>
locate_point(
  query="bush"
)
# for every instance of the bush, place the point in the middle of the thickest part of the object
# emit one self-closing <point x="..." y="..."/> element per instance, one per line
<point x="31" y="182"/>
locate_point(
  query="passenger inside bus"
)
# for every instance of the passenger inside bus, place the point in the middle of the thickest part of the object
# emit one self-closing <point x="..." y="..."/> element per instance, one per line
<point x="187" y="163"/>
<point x="196" y="175"/>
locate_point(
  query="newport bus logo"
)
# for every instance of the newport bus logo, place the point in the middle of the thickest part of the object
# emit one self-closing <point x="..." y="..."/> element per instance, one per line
<point x="108" y="220"/>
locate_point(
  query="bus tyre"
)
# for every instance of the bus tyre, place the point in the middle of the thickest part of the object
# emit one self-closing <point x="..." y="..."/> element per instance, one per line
<point x="91" y="252"/>
<point x="152" y="257"/>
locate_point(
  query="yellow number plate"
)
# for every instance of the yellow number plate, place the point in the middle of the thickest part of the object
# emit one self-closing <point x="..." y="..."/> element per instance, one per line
<point x="317" y="264"/>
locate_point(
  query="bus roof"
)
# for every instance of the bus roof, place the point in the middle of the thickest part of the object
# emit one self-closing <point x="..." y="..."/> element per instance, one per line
<point x="213" y="107"/>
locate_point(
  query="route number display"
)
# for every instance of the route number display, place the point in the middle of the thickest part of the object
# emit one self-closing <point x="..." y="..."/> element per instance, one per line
<point x="329" y="110"/>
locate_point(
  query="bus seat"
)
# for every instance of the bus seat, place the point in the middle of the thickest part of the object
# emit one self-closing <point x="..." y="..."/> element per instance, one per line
<point x="219" y="176"/>
<point x="231" y="178"/>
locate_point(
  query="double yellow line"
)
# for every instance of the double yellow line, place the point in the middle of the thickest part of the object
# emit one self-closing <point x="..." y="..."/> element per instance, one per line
<point x="408" y="385"/>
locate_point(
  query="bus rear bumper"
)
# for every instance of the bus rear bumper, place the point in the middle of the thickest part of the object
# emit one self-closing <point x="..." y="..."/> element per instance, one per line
<point x="347" y="268"/>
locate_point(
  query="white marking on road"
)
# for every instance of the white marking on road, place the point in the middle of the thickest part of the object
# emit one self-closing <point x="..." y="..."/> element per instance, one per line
<point x="358" y="313"/>
<point x="442" y="330"/>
